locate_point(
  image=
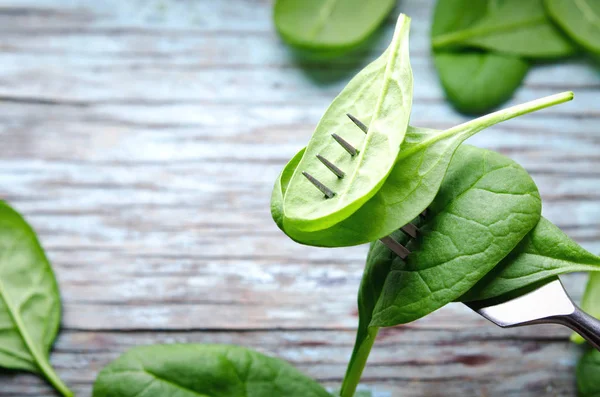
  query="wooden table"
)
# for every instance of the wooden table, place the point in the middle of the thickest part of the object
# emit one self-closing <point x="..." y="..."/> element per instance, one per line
<point x="142" y="139"/>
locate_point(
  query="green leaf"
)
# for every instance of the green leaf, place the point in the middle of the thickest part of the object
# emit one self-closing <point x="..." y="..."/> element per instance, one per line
<point x="29" y="300"/>
<point x="588" y="374"/>
<point x="487" y="203"/>
<point x="580" y="19"/>
<point x="518" y="27"/>
<point x="379" y="264"/>
<point x="476" y="82"/>
<point x="329" y="25"/>
<point x="381" y="96"/>
<point x="590" y="302"/>
<point x="544" y="253"/>
<point x="202" y="371"/>
<point x="411" y="186"/>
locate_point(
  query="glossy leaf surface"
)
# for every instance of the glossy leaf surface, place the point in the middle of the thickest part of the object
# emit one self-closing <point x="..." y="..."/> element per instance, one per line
<point x="476" y="82"/>
<point x="485" y="206"/>
<point x="29" y="300"/>
<point x="545" y="252"/>
<point x="580" y="19"/>
<point x="517" y="27"/>
<point x="588" y="374"/>
<point x="380" y="96"/>
<point x="329" y="25"/>
<point x="202" y="371"/>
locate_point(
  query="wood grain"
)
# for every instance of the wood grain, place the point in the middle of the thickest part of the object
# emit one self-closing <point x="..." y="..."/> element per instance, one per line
<point x="141" y="139"/>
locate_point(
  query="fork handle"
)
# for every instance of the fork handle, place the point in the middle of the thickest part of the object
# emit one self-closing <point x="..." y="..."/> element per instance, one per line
<point x="584" y="324"/>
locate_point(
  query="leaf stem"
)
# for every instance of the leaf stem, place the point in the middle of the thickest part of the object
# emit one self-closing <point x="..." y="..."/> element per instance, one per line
<point x="53" y="378"/>
<point x="357" y="363"/>
<point x="474" y="126"/>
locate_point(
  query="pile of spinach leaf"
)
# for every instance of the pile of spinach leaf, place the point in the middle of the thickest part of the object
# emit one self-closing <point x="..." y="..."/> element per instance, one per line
<point x="483" y="49"/>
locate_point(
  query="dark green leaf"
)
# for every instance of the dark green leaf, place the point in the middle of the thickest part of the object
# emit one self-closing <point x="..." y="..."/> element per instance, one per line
<point x="487" y="203"/>
<point x="580" y="19"/>
<point x="29" y="300"/>
<point x="329" y="25"/>
<point x="590" y="302"/>
<point x="517" y="27"/>
<point x="544" y="253"/>
<point x="476" y="82"/>
<point x="588" y="374"/>
<point x="202" y="371"/>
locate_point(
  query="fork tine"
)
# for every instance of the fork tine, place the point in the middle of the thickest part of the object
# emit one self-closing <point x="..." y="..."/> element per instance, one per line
<point x="332" y="167"/>
<point x="410" y="229"/>
<point x="324" y="189"/>
<point x="348" y="147"/>
<point x="395" y="246"/>
<point x="359" y="123"/>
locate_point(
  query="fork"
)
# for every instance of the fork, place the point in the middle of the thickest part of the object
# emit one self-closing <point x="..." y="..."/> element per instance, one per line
<point x="548" y="304"/>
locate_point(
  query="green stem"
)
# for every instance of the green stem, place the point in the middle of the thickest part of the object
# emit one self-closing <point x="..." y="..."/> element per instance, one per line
<point x="357" y="362"/>
<point x="53" y="378"/>
<point x="472" y="127"/>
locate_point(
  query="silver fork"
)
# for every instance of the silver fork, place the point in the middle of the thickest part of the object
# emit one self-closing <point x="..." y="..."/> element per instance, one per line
<point x="548" y="304"/>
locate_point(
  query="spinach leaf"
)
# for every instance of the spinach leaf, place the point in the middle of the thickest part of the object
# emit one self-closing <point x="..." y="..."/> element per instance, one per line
<point x="590" y="302"/>
<point x="29" y="300"/>
<point x="588" y="374"/>
<point x="544" y="253"/>
<point x="411" y="186"/>
<point x="518" y="27"/>
<point x="329" y="25"/>
<point x="487" y="203"/>
<point x="376" y="270"/>
<point x="476" y="82"/>
<point x="380" y="95"/>
<point x="203" y="371"/>
<point x="580" y="19"/>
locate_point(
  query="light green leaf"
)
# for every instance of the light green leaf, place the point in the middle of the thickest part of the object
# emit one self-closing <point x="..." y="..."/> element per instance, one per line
<point x="476" y="82"/>
<point x="381" y="96"/>
<point x="544" y="253"/>
<point x="590" y="302"/>
<point x="487" y="203"/>
<point x="588" y="374"/>
<point x="580" y="19"/>
<point x="202" y="371"/>
<point x="518" y="27"/>
<point x="412" y="184"/>
<point x="29" y="300"/>
<point x="329" y="25"/>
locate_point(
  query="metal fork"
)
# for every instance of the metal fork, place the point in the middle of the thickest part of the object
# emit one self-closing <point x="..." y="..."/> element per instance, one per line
<point x="548" y="304"/>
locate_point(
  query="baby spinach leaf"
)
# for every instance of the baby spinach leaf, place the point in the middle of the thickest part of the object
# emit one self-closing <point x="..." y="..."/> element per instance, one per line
<point x="476" y="82"/>
<point x="29" y="300"/>
<point x="329" y="25"/>
<point x="381" y="96"/>
<point x="411" y="186"/>
<point x="590" y="302"/>
<point x="580" y="19"/>
<point x="545" y="252"/>
<point x="487" y="203"/>
<point x="203" y="371"/>
<point x="377" y="268"/>
<point x="588" y="374"/>
<point x="518" y="27"/>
